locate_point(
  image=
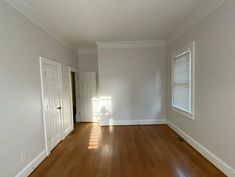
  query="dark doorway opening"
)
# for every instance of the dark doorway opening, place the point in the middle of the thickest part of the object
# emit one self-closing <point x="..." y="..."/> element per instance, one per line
<point x="73" y="84"/>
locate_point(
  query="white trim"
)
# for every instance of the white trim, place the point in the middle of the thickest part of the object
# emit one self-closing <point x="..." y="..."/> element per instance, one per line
<point x="182" y="112"/>
<point x="86" y="51"/>
<point x="27" y="10"/>
<point x="42" y="104"/>
<point x="68" y="131"/>
<point x="70" y="69"/>
<point x="32" y="165"/>
<point x="178" y="52"/>
<point x="219" y="163"/>
<point x="130" y="44"/>
<point x="41" y="62"/>
<point x="194" y="19"/>
<point x="61" y="99"/>
<point x="181" y="54"/>
<point x="132" y="122"/>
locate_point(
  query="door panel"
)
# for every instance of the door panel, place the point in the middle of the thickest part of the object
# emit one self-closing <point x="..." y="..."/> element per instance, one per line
<point x="52" y="103"/>
<point x="87" y="90"/>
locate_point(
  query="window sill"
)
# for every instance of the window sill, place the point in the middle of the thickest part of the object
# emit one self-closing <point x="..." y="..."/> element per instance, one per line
<point x="184" y="113"/>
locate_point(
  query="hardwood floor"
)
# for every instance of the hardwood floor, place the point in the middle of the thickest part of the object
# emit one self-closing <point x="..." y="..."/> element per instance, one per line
<point x="125" y="151"/>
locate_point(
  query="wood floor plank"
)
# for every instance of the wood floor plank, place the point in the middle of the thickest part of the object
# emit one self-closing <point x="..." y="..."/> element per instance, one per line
<point x="124" y="151"/>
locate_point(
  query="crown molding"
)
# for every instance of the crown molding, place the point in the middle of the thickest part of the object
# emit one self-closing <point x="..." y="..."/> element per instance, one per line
<point x="130" y="44"/>
<point x="85" y="51"/>
<point x="27" y="10"/>
<point x="194" y="19"/>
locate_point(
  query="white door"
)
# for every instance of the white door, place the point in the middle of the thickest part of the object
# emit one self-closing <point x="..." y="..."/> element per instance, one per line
<point x="51" y="89"/>
<point x="87" y="96"/>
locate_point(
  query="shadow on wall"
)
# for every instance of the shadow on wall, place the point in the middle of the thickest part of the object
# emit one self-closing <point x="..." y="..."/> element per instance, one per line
<point x="102" y="108"/>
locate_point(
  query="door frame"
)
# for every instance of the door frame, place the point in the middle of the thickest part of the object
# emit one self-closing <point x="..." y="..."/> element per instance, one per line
<point x="71" y="69"/>
<point x="48" y="61"/>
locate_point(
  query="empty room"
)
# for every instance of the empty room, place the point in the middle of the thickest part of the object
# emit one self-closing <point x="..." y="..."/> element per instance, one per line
<point x="117" y="88"/>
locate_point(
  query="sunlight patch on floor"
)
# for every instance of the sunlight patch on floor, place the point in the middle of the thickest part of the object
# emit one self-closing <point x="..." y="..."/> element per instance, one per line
<point x="94" y="138"/>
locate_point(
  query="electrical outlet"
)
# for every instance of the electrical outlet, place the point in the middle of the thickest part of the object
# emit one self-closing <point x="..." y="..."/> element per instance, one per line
<point x="23" y="157"/>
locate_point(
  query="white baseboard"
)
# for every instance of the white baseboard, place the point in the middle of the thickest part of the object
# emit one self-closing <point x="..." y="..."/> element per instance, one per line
<point x="133" y="122"/>
<point x="220" y="164"/>
<point x="32" y="165"/>
<point x="68" y="131"/>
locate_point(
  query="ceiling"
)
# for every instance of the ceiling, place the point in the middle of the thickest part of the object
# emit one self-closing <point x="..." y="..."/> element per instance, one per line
<point x="81" y="23"/>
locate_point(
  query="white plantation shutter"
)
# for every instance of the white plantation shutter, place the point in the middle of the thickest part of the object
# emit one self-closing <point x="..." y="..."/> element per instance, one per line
<point x="181" y="91"/>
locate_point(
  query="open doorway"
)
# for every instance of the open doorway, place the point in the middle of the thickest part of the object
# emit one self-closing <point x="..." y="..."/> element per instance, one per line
<point x="73" y="89"/>
<point x="73" y="94"/>
<point x="88" y="97"/>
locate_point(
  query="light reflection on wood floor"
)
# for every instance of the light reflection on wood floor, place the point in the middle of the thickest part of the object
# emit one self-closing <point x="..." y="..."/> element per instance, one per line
<point x="124" y="151"/>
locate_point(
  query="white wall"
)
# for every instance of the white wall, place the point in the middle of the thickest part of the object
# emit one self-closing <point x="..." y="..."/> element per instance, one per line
<point x="134" y="78"/>
<point x="214" y="124"/>
<point x="21" y="127"/>
<point x="88" y="60"/>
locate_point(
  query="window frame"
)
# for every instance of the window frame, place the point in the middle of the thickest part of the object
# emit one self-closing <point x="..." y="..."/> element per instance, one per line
<point x="178" y="52"/>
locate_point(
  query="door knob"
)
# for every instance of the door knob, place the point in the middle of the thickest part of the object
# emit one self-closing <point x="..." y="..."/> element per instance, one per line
<point x="59" y="107"/>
